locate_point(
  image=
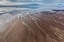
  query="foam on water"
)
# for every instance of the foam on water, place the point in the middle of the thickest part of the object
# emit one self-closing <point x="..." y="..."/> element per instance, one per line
<point x="4" y="19"/>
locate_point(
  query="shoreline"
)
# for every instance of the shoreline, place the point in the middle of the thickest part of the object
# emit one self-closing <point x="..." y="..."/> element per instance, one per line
<point x="37" y="27"/>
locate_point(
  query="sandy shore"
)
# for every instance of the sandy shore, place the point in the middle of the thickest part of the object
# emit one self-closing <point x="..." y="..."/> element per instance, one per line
<point x="38" y="27"/>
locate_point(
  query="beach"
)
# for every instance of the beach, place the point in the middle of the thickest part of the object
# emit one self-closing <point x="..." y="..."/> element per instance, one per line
<point x="36" y="27"/>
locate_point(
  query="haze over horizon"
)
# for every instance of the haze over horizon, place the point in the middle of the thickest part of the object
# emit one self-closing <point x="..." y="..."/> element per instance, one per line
<point x="10" y="2"/>
<point x="44" y="4"/>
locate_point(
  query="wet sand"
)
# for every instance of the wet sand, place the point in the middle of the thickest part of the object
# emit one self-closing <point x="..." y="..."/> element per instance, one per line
<point x="38" y="27"/>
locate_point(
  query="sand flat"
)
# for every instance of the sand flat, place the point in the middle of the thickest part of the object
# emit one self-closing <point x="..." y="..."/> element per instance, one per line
<point x="36" y="28"/>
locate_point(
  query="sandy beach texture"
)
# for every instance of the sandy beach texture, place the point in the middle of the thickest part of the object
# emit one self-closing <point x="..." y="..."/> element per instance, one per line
<point x="38" y="27"/>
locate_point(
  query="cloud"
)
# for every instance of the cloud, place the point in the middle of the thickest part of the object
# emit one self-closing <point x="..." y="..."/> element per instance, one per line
<point x="19" y="2"/>
<point x="45" y="3"/>
<point x="59" y="1"/>
<point x="11" y="3"/>
<point x="16" y="2"/>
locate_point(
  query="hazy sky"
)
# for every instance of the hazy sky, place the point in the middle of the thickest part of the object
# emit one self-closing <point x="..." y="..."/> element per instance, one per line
<point x="35" y="0"/>
<point x="17" y="1"/>
<point x="45" y="3"/>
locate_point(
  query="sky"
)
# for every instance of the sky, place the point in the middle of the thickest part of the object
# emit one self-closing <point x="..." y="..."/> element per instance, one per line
<point x="18" y="2"/>
<point x="44" y="3"/>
